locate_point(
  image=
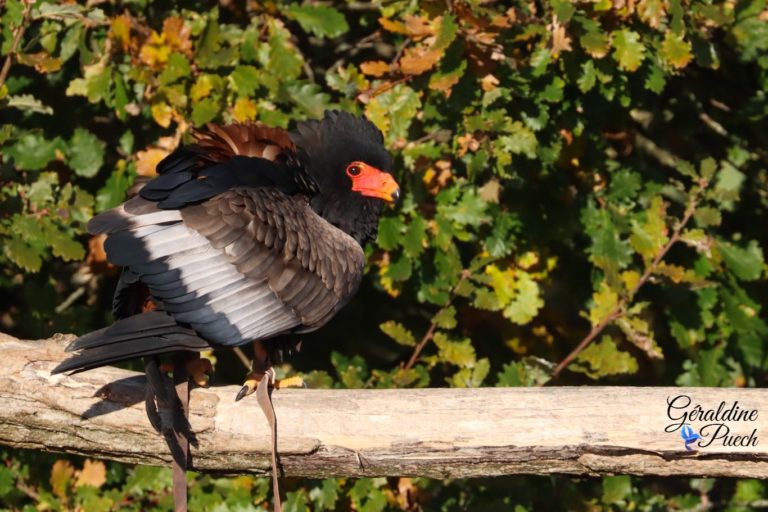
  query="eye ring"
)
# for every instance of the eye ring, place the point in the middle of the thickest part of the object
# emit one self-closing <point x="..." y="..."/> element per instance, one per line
<point x="353" y="170"/>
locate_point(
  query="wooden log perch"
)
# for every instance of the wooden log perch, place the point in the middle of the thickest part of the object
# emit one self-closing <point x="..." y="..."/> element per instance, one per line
<point x="427" y="432"/>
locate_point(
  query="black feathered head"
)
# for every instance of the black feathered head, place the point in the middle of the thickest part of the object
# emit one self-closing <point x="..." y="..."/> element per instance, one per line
<point x="346" y="158"/>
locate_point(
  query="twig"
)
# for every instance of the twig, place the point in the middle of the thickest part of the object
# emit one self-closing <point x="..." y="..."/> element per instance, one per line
<point x="242" y="357"/>
<point x="433" y="325"/>
<point x="70" y="300"/>
<point x="620" y="309"/>
<point x="18" y="33"/>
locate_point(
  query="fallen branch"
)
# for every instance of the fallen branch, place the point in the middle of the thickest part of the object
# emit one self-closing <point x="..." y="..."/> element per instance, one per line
<point x="427" y="432"/>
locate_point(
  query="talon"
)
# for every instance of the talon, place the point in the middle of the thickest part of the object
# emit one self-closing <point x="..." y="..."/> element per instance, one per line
<point x="151" y="407"/>
<point x="295" y="381"/>
<point x="200" y="370"/>
<point x="249" y="386"/>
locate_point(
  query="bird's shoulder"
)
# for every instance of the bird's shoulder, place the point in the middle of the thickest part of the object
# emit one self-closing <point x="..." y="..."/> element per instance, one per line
<point x="224" y="157"/>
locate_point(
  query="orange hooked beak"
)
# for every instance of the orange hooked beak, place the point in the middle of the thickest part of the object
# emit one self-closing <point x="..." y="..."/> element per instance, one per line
<point x="370" y="181"/>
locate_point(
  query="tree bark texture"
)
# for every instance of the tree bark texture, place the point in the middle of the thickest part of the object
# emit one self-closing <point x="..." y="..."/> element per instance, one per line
<point x="426" y="432"/>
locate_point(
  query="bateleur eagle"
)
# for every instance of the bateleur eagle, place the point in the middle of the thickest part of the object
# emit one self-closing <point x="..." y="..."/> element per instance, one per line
<point x="250" y="233"/>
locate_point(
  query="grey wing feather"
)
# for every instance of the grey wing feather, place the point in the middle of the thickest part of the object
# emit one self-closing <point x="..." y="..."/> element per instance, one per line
<point x="251" y="263"/>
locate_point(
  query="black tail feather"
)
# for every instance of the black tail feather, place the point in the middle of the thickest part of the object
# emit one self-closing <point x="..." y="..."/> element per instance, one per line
<point x="136" y="336"/>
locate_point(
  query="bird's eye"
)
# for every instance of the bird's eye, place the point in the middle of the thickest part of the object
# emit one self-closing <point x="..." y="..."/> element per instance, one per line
<point x="353" y="170"/>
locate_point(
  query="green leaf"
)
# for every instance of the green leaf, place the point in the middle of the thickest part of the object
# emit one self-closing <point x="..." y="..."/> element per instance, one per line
<point x="63" y="246"/>
<point x="445" y="318"/>
<point x="527" y="302"/>
<point x="604" y="301"/>
<point x="616" y="489"/>
<point x="284" y="59"/>
<point x="113" y="191"/>
<point x="588" y="77"/>
<point x="608" y="251"/>
<point x="648" y="237"/>
<point x="745" y="262"/>
<point x="706" y="216"/>
<point x="460" y="353"/>
<point x="296" y="501"/>
<point x="603" y="358"/>
<point x="399" y="269"/>
<point x="415" y="237"/>
<point x="393" y="111"/>
<point x="28" y="103"/>
<point x="398" y="332"/>
<point x="204" y="111"/>
<point x="23" y="255"/>
<point x="176" y="67"/>
<point x="470" y="210"/>
<point x="86" y="153"/>
<point x="309" y="98"/>
<point x="245" y="80"/>
<point x="676" y="51"/>
<point x="540" y="60"/>
<point x="95" y="85"/>
<point x="326" y="496"/>
<point x="40" y="193"/>
<point x="528" y="372"/>
<point x="32" y="151"/>
<point x="390" y="232"/>
<point x="471" y="377"/>
<point x="320" y="20"/>
<point x="595" y="43"/>
<point x="656" y="80"/>
<point x="629" y="52"/>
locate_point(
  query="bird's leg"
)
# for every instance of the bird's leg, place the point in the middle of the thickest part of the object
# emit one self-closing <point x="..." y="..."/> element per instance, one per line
<point x="157" y="400"/>
<point x="259" y="366"/>
<point x="199" y="369"/>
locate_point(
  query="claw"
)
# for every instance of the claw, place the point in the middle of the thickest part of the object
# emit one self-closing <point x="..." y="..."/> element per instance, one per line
<point x="294" y="381"/>
<point x="151" y="407"/>
<point x="249" y="386"/>
<point x="200" y="371"/>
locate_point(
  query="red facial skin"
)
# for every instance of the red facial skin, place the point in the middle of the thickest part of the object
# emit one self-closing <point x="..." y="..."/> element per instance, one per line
<point x="370" y="181"/>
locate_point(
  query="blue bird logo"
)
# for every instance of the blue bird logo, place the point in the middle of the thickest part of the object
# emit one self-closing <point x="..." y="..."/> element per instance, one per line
<point x="689" y="436"/>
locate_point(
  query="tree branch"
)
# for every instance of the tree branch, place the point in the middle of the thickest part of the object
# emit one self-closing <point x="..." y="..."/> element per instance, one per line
<point x="433" y="325"/>
<point x="18" y="33"/>
<point x="441" y="433"/>
<point x="620" y="309"/>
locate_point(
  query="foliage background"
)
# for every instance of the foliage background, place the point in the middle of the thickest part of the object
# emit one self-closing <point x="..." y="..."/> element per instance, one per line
<point x="585" y="193"/>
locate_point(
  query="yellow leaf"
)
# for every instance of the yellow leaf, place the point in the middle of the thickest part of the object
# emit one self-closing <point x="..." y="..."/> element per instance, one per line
<point x="560" y="40"/>
<point x="398" y="27"/>
<point x="528" y="260"/>
<point x="155" y="52"/>
<point x="419" y="27"/>
<point x="653" y="12"/>
<point x="94" y="473"/>
<point x="443" y="84"/>
<point x="162" y="113"/>
<point x="244" y="110"/>
<point x="121" y="31"/>
<point x="374" y="68"/>
<point x="649" y="237"/>
<point x="387" y="283"/>
<point x="489" y="82"/>
<point x="630" y="278"/>
<point x="41" y="61"/>
<point x="416" y="61"/>
<point x="177" y="34"/>
<point x="61" y="475"/>
<point x="605" y="301"/>
<point x="676" y="50"/>
<point x="146" y="161"/>
<point x="202" y="88"/>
